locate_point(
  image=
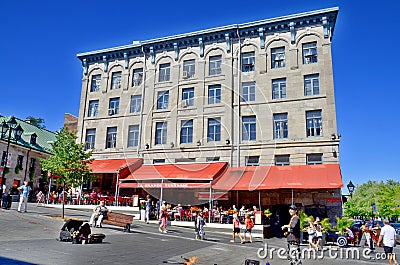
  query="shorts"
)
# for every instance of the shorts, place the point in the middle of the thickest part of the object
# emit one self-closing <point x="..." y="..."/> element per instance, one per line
<point x="388" y="250"/>
<point x="236" y="230"/>
<point x="247" y="231"/>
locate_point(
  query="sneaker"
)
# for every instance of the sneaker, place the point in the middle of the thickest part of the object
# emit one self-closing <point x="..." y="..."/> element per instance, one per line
<point x="242" y="242"/>
<point x="232" y="241"/>
<point x="165" y="231"/>
<point x="159" y="229"/>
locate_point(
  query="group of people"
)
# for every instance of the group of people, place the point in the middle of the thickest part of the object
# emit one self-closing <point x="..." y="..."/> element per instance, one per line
<point x="314" y="231"/>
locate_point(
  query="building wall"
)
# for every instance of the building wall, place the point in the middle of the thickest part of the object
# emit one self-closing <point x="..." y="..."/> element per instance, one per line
<point x="230" y="110"/>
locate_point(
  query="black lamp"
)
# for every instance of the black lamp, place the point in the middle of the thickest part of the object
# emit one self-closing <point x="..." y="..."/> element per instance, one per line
<point x="350" y="187"/>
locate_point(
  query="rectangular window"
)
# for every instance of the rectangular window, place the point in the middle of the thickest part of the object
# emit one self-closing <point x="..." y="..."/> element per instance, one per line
<point x="314" y="159"/>
<point x="314" y="123"/>
<point x="187" y="132"/>
<point x="310" y="53"/>
<point x="214" y="130"/>
<point x="96" y="83"/>
<point x="32" y="164"/>
<point x="185" y="160"/>
<point x="212" y="159"/>
<point x="214" y="94"/>
<point x="280" y="126"/>
<point x="215" y="65"/>
<point x="279" y="88"/>
<point x="90" y="138"/>
<point x="113" y="106"/>
<point x="116" y="80"/>
<point x="164" y="74"/>
<point x="158" y="161"/>
<point x="136" y="103"/>
<point x="162" y="100"/>
<point x="282" y="160"/>
<point x="249" y="91"/>
<point x="187" y="97"/>
<point x="20" y="161"/>
<point x="252" y="160"/>
<point x="161" y="133"/>
<point x="111" y="140"/>
<point x="248" y="62"/>
<point x="311" y="85"/>
<point x="278" y="59"/>
<point x="137" y="77"/>
<point x="3" y="158"/>
<point x="249" y="128"/>
<point x="188" y="68"/>
<point x="133" y="135"/>
<point x="93" y="108"/>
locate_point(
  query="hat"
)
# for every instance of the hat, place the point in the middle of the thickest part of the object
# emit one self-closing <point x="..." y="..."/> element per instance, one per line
<point x="293" y="207"/>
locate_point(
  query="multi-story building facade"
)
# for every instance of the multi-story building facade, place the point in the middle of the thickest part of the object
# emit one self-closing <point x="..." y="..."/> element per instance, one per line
<point x="24" y="154"/>
<point x="253" y="94"/>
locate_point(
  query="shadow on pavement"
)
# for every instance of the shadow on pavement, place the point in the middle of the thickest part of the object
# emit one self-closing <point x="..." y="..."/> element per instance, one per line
<point x="13" y="261"/>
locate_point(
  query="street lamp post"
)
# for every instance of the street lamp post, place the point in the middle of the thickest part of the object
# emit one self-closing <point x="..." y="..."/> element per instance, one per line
<point x="351" y="187"/>
<point x="6" y="129"/>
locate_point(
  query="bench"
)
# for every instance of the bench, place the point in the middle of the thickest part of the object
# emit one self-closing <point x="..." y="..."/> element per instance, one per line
<point x="119" y="219"/>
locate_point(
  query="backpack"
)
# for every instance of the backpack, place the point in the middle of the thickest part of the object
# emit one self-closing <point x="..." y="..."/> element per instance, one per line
<point x="250" y="224"/>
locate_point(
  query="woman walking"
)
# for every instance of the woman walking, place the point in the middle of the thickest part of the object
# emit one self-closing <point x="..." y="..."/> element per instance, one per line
<point x="163" y="219"/>
<point x="236" y="229"/>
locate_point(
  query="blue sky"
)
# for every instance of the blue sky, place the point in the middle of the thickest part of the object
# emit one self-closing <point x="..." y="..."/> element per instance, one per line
<point x="41" y="76"/>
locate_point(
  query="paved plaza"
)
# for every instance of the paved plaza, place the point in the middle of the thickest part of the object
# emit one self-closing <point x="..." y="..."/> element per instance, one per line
<point x="31" y="238"/>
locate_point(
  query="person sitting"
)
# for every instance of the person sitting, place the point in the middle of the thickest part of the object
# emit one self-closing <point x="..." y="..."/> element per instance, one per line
<point x="99" y="213"/>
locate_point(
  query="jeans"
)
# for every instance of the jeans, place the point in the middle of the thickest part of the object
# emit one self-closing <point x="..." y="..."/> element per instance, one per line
<point x="24" y="200"/>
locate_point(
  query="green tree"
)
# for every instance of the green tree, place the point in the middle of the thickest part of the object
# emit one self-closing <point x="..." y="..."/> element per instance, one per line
<point x="69" y="161"/>
<point x="38" y="122"/>
<point x="385" y="195"/>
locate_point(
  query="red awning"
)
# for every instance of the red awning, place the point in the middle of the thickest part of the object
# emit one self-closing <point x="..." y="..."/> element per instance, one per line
<point x="115" y="165"/>
<point x="202" y="171"/>
<point x="165" y="185"/>
<point x="281" y="177"/>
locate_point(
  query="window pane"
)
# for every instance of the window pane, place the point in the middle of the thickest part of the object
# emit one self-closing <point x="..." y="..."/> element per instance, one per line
<point x="187" y="132"/>
<point x="214" y="130"/>
<point x="96" y="83"/>
<point x="282" y="160"/>
<point x="314" y="159"/>
<point x="137" y="77"/>
<point x="188" y="68"/>
<point x="280" y="126"/>
<point x="111" y="140"/>
<point x="162" y="101"/>
<point x="90" y="138"/>
<point x="187" y="97"/>
<point x="215" y="65"/>
<point x="311" y="85"/>
<point x="249" y="91"/>
<point x="164" y="72"/>
<point x="310" y="53"/>
<point x="93" y="108"/>
<point x="279" y="88"/>
<point x="249" y="128"/>
<point x="113" y="107"/>
<point x="133" y="135"/>
<point x="214" y="94"/>
<point x="252" y="160"/>
<point x="136" y="103"/>
<point x="278" y="57"/>
<point x="116" y="80"/>
<point x="248" y="62"/>
<point x="161" y="133"/>
<point x="314" y="123"/>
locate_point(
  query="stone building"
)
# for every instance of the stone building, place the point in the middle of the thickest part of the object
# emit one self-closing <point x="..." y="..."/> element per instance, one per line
<point x="24" y="154"/>
<point x="253" y="94"/>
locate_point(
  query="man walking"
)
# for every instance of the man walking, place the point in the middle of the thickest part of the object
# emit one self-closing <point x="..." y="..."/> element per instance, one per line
<point x="388" y="237"/>
<point x="24" y="194"/>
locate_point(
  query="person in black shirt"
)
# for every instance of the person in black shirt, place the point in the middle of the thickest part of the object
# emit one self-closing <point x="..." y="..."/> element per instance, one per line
<point x="293" y="235"/>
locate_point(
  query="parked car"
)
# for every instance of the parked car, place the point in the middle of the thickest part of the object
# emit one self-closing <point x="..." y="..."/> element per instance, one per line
<point x="398" y="236"/>
<point x="396" y="226"/>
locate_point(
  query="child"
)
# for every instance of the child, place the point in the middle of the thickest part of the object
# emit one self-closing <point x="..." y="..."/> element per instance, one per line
<point x="236" y="228"/>
<point x="163" y="219"/>
<point x="200" y="223"/>
<point x="249" y="225"/>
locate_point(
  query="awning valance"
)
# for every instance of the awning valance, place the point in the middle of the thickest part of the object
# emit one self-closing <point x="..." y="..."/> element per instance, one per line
<point x="280" y="177"/>
<point x="165" y="185"/>
<point x="190" y="172"/>
<point x="115" y="165"/>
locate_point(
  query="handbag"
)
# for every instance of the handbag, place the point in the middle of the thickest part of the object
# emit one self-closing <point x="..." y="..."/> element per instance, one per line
<point x="291" y="238"/>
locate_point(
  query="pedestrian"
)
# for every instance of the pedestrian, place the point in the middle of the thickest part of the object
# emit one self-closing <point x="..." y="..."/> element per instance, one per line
<point x="293" y="235"/>
<point x="40" y="198"/>
<point x="163" y="219"/>
<point x="200" y="223"/>
<point x="236" y="228"/>
<point x="319" y="228"/>
<point x="311" y="231"/>
<point x="388" y="238"/>
<point x="366" y="236"/>
<point x="148" y="208"/>
<point x="24" y="194"/>
<point x="249" y="224"/>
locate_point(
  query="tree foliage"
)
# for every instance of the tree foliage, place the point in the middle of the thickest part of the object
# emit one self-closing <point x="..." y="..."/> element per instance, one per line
<point x="385" y="195"/>
<point x="69" y="161"/>
<point x="38" y="122"/>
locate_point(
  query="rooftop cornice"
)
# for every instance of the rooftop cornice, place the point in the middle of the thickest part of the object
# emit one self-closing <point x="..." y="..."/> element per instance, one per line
<point x="217" y="34"/>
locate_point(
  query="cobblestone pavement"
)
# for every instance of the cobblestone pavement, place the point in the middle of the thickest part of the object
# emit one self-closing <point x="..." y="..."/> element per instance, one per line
<point x="31" y="238"/>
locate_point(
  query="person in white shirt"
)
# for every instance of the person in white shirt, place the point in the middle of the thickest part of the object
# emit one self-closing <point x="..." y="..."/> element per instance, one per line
<point x="388" y="237"/>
